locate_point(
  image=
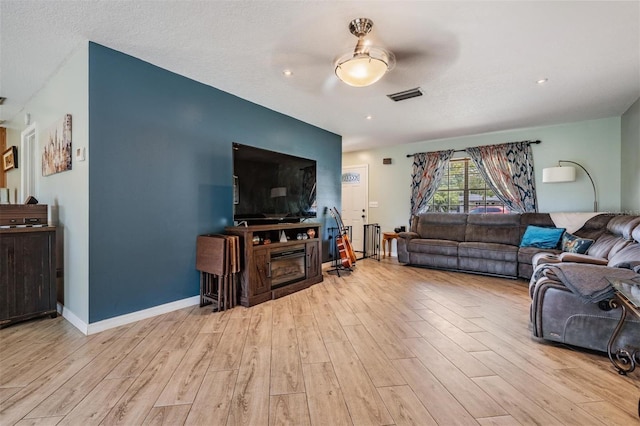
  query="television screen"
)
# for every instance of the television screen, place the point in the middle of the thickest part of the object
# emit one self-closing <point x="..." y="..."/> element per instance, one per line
<point x="271" y="186"/>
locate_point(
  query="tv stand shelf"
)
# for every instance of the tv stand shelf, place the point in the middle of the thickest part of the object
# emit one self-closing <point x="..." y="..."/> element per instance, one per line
<point x="261" y="251"/>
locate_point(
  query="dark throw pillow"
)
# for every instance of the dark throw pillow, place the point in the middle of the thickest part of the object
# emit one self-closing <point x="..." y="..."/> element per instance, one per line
<point x="574" y="244"/>
<point x="541" y="237"/>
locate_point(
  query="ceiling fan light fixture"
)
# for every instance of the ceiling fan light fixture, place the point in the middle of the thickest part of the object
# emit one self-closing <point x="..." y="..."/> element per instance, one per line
<point x="366" y="64"/>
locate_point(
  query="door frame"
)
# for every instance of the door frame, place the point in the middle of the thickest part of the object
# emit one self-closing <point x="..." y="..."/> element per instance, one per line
<point x="366" y="190"/>
<point x="28" y="181"/>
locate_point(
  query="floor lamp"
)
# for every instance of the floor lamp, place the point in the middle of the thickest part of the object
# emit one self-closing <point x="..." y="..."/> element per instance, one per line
<point x="567" y="174"/>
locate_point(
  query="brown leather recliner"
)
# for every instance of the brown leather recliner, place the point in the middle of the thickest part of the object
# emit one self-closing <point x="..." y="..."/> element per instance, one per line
<point x="559" y="315"/>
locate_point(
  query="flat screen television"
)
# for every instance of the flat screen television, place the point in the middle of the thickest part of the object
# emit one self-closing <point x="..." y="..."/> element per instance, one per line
<point x="271" y="187"/>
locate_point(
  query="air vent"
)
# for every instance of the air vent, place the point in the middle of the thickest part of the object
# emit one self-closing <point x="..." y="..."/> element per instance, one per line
<point x="407" y="94"/>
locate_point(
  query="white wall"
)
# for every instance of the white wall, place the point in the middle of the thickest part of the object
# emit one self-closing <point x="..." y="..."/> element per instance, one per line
<point x="67" y="193"/>
<point x="595" y="144"/>
<point x="630" y="160"/>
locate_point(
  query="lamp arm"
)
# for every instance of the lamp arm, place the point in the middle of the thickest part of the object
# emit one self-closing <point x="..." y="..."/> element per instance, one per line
<point x="595" y="194"/>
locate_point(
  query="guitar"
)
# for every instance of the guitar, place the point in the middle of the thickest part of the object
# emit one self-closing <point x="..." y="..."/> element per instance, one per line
<point x="345" y="236"/>
<point x="341" y="243"/>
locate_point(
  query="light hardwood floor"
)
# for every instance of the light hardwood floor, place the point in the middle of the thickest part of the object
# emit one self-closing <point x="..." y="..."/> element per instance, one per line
<point x="384" y="345"/>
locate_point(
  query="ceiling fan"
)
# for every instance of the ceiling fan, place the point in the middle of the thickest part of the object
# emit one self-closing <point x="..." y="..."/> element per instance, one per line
<point x="415" y="59"/>
<point x="366" y="64"/>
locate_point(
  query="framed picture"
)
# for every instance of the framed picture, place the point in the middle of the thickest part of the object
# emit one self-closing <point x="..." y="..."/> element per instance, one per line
<point x="10" y="159"/>
<point x="56" y="156"/>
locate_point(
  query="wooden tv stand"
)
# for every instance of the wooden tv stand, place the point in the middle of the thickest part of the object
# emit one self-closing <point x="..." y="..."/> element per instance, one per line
<point x="300" y="259"/>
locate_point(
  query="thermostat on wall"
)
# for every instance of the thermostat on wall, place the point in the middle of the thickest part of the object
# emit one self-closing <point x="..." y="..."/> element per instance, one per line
<point x="80" y="154"/>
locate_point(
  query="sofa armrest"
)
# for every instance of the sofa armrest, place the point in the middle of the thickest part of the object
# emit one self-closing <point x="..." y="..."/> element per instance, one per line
<point x="581" y="258"/>
<point x="408" y="235"/>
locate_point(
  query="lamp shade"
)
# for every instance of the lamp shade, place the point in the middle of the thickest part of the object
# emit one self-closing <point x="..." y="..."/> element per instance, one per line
<point x="280" y="191"/>
<point x="559" y="174"/>
<point x="361" y="70"/>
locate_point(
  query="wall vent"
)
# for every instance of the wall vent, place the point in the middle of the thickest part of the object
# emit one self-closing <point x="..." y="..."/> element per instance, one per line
<point x="407" y="94"/>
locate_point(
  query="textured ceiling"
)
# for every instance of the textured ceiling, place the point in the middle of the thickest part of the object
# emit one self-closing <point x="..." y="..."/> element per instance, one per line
<point x="477" y="62"/>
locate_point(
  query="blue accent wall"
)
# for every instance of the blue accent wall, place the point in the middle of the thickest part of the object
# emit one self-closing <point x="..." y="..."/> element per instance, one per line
<point x="161" y="174"/>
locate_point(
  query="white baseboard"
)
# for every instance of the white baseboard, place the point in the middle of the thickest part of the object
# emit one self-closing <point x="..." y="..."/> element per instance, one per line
<point x="73" y="319"/>
<point x="103" y="325"/>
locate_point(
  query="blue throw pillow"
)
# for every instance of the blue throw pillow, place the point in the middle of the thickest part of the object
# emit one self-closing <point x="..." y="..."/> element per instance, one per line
<point x="574" y="244"/>
<point x="536" y="236"/>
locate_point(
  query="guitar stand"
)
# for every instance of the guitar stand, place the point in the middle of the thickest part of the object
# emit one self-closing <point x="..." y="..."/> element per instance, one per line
<point x="338" y="268"/>
<point x="336" y="265"/>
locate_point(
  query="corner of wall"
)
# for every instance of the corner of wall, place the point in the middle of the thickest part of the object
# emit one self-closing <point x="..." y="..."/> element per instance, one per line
<point x="630" y="159"/>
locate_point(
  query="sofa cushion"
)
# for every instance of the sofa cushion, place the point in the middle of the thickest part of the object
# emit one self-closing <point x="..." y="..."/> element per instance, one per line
<point x="487" y="266"/>
<point x="442" y="226"/>
<point x="607" y="246"/>
<point x="574" y="244"/>
<point x="628" y="257"/>
<point x="541" y="237"/>
<point x="427" y="246"/>
<point x="618" y="236"/>
<point x="595" y="226"/>
<point x="493" y="228"/>
<point x="488" y="251"/>
<point x="526" y="254"/>
<point x="623" y="226"/>
<point x="538" y="219"/>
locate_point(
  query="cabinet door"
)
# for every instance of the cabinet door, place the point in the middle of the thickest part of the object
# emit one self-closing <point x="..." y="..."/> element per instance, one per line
<point x="35" y="282"/>
<point x="8" y="275"/>
<point x="313" y="259"/>
<point x="26" y="277"/>
<point x="260" y="280"/>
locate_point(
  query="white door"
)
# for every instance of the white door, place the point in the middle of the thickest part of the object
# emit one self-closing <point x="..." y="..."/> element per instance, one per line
<point x="355" y="201"/>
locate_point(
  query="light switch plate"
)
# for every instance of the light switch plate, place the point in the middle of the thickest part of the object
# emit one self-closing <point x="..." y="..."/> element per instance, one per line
<point x="373" y="204"/>
<point x="80" y="154"/>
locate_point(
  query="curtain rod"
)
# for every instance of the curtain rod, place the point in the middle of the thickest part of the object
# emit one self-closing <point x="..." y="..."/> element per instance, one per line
<point x="463" y="150"/>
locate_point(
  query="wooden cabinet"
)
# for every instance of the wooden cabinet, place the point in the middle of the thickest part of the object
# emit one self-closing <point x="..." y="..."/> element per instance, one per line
<point x="27" y="274"/>
<point x="276" y="268"/>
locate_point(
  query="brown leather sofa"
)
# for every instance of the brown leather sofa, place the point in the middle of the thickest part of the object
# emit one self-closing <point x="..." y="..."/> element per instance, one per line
<point x="480" y="243"/>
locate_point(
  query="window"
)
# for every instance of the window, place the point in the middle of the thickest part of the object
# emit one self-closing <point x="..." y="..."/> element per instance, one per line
<point x="463" y="190"/>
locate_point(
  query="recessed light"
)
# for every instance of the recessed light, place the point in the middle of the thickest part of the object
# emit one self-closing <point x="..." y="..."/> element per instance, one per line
<point x="542" y="81"/>
<point x="287" y="73"/>
<point x="369" y="117"/>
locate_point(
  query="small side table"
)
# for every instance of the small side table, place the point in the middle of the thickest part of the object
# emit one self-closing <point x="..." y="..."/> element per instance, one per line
<point x="387" y="237"/>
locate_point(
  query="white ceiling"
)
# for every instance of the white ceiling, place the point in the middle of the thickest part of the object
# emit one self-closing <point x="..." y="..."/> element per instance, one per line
<point x="477" y="62"/>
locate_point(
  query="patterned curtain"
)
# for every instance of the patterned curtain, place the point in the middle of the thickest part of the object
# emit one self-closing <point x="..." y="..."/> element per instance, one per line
<point x="508" y="170"/>
<point x="428" y="169"/>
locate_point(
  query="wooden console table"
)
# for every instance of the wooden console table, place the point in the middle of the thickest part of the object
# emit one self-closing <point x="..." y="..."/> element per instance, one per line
<point x="261" y="247"/>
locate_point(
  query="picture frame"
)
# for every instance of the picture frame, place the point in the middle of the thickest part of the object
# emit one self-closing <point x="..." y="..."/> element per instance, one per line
<point x="57" y="149"/>
<point x="10" y="159"/>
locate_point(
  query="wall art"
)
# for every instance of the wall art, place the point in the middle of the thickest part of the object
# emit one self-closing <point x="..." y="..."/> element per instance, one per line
<point x="56" y="156"/>
<point x="10" y="159"/>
